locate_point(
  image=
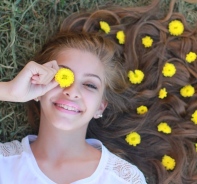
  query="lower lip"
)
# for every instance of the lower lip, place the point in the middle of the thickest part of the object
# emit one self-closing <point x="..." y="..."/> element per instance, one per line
<point x="66" y="111"/>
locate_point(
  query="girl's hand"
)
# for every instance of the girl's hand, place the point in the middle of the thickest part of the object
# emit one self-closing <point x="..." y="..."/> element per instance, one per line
<point x="33" y="81"/>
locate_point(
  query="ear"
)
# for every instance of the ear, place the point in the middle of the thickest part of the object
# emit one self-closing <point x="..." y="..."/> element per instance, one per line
<point x="100" y="110"/>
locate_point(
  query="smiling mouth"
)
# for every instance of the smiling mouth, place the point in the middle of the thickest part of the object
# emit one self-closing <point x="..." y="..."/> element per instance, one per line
<point x="69" y="108"/>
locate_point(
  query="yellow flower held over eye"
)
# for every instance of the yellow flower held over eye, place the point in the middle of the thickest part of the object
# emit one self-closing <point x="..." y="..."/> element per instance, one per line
<point x="133" y="138"/>
<point x="176" y="27"/>
<point x="194" y="117"/>
<point x="65" y="77"/>
<point x="163" y="93"/>
<point x="191" y="57"/>
<point x="169" y="70"/>
<point x="147" y="41"/>
<point x="136" y="77"/>
<point x="121" y="37"/>
<point x="187" y="91"/>
<point x="142" y="110"/>
<point x="164" y="127"/>
<point x="105" y="27"/>
<point x="168" y="162"/>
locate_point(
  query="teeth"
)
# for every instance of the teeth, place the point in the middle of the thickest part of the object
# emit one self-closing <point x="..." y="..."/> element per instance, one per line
<point x="67" y="107"/>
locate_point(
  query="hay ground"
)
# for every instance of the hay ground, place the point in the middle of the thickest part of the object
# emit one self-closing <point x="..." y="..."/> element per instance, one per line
<point x="24" y="27"/>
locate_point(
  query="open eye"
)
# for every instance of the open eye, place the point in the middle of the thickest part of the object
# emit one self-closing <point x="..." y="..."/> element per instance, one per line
<point x="90" y="86"/>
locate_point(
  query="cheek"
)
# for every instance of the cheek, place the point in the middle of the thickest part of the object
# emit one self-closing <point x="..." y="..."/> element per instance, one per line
<point x="92" y="100"/>
<point x="91" y="93"/>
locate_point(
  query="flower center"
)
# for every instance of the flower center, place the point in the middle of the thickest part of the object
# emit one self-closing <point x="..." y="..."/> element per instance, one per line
<point x="64" y="77"/>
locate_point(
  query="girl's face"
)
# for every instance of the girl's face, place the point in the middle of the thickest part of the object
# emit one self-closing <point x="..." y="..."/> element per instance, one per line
<point x="73" y="107"/>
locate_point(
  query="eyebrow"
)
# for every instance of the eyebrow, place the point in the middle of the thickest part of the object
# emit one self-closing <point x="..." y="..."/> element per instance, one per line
<point x="87" y="74"/>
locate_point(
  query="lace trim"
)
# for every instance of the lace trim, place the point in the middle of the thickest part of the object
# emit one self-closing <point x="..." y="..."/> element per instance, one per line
<point x="125" y="170"/>
<point x="11" y="148"/>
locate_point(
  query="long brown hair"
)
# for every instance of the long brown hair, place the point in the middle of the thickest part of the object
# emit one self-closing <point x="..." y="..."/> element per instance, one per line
<point x="176" y="110"/>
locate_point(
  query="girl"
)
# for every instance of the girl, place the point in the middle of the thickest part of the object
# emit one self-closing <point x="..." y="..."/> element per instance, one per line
<point x="60" y="153"/>
<point x="151" y="123"/>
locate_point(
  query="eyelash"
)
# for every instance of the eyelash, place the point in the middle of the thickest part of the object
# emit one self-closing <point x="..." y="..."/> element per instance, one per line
<point x="91" y="86"/>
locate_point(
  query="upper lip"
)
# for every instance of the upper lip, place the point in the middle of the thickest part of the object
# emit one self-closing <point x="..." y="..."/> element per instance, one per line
<point x="68" y="105"/>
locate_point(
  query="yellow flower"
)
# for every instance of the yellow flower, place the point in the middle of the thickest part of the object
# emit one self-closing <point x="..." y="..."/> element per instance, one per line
<point x="147" y="41"/>
<point x="164" y="127"/>
<point x="196" y="146"/>
<point x="65" y="77"/>
<point x="168" y="162"/>
<point x="136" y="77"/>
<point x="169" y="70"/>
<point x="105" y="26"/>
<point x="194" y="117"/>
<point x="121" y="37"/>
<point x="176" y="27"/>
<point x="133" y="138"/>
<point x="191" y="57"/>
<point x="163" y="93"/>
<point x="187" y="91"/>
<point x="142" y="109"/>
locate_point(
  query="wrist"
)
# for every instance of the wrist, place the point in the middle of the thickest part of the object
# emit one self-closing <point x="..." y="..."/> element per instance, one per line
<point x="6" y="92"/>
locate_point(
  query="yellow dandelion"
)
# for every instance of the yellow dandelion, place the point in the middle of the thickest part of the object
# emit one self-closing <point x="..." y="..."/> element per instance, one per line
<point x="176" y="27"/>
<point x="133" y="138"/>
<point x="65" y="77"/>
<point x="196" y="146"/>
<point x="194" y="117"/>
<point x="105" y="26"/>
<point x="136" y="76"/>
<point x="164" y="127"/>
<point x="121" y="37"/>
<point x="169" y="70"/>
<point x="163" y="93"/>
<point x="191" y="57"/>
<point x="187" y="91"/>
<point x="147" y="41"/>
<point x="142" y="110"/>
<point x="168" y="162"/>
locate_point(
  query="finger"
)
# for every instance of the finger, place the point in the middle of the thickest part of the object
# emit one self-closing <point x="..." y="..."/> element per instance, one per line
<point x="46" y="76"/>
<point x="35" y="77"/>
<point x="51" y="69"/>
<point x="49" y="86"/>
<point x="42" y="74"/>
<point x="52" y="64"/>
<point x="34" y="82"/>
<point x="36" y="72"/>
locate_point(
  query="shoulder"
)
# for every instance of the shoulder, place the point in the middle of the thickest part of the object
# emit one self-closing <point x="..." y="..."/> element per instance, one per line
<point x="11" y="148"/>
<point x="125" y="170"/>
<point x="119" y="168"/>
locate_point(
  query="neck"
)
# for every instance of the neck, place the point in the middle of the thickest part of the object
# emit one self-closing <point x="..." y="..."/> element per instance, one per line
<point x="55" y="143"/>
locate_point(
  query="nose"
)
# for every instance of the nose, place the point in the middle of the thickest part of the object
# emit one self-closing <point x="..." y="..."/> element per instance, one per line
<point x="72" y="92"/>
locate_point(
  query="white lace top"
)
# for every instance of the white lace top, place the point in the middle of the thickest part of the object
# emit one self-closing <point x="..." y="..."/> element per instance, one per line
<point x="18" y="166"/>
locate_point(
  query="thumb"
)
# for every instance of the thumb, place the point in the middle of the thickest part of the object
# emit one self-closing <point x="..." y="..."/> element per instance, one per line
<point x="49" y="86"/>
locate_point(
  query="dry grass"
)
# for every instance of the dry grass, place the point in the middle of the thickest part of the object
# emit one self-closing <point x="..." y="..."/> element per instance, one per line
<point x="24" y="27"/>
